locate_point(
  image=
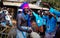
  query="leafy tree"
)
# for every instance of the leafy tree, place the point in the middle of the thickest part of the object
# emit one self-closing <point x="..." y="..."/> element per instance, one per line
<point x="54" y="3"/>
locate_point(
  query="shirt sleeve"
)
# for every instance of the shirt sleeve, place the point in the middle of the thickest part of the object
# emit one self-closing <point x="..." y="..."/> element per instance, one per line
<point x="54" y="11"/>
<point x="35" y="14"/>
<point x="57" y="12"/>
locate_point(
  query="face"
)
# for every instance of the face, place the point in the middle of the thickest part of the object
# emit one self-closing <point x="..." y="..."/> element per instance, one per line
<point x="33" y="23"/>
<point x="39" y="12"/>
<point x="48" y="13"/>
<point x="26" y="10"/>
<point x="30" y="13"/>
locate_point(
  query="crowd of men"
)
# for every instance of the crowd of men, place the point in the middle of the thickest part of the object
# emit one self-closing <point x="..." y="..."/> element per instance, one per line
<point x="42" y="24"/>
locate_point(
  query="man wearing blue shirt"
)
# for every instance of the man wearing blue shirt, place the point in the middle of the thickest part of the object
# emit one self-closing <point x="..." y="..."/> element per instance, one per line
<point x="22" y="26"/>
<point x="57" y="13"/>
<point x="23" y="22"/>
<point x="50" y="25"/>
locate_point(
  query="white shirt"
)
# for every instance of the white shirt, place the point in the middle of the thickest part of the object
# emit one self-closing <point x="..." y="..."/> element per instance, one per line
<point x="7" y="17"/>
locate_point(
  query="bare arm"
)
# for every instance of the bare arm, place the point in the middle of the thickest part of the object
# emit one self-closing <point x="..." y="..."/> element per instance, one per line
<point x="46" y="4"/>
<point x="19" y="24"/>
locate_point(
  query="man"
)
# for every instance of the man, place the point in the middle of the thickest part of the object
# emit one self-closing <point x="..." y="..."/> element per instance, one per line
<point x="44" y="22"/>
<point x="22" y="22"/>
<point x="19" y="18"/>
<point x="34" y="26"/>
<point x="57" y="13"/>
<point x="2" y="19"/>
<point x="7" y="17"/>
<point x="39" y="21"/>
<point x="50" y="26"/>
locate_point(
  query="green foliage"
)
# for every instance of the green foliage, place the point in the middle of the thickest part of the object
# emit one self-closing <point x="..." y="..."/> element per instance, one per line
<point x="54" y="3"/>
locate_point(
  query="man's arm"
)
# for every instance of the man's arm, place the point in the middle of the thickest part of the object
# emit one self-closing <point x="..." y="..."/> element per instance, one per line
<point x="19" y="25"/>
<point x="53" y="15"/>
<point x="33" y="13"/>
<point x="26" y="29"/>
<point x="54" y="11"/>
<point x="46" y="4"/>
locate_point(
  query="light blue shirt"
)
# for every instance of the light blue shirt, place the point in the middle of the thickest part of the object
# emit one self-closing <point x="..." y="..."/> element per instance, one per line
<point x="39" y="19"/>
<point x="44" y="19"/>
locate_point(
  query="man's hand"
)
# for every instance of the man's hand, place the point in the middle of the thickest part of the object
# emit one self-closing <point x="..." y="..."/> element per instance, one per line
<point x="30" y="12"/>
<point x="29" y="29"/>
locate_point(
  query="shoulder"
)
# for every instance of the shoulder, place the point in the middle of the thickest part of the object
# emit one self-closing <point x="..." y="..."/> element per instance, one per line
<point x="20" y="14"/>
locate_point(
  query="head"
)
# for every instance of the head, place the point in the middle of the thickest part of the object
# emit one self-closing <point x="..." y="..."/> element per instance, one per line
<point x="20" y="10"/>
<point x="26" y="10"/>
<point x="45" y="12"/>
<point x="30" y="13"/>
<point x="40" y="12"/>
<point x="49" y="14"/>
<point x="25" y="7"/>
<point x="34" y="25"/>
<point x="32" y="20"/>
